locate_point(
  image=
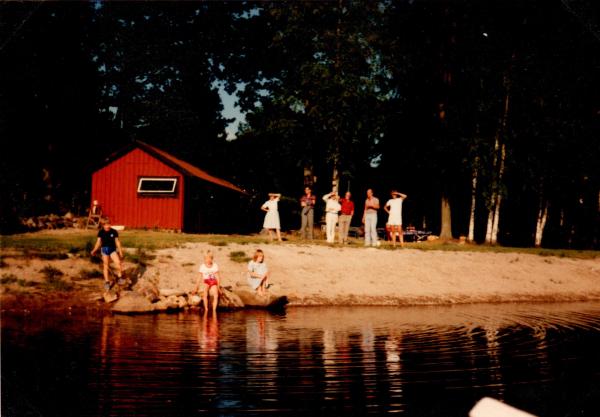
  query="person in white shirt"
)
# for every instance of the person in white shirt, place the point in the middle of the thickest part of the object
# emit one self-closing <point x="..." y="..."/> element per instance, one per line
<point x="332" y="208"/>
<point x="272" y="215"/>
<point x="258" y="273"/>
<point x="394" y="208"/>
<point x="211" y="278"/>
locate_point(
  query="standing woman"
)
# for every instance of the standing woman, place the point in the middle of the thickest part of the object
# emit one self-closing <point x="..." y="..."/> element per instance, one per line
<point x="272" y="215"/>
<point x="394" y="209"/>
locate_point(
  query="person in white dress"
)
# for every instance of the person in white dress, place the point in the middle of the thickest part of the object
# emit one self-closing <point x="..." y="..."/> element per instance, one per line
<point x="332" y="208"/>
<point x="272" y="215"/>
<point x="394" y="208"/>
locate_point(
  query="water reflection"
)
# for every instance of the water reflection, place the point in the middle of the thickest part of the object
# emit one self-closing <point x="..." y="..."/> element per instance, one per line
<point x="329" y="361"/>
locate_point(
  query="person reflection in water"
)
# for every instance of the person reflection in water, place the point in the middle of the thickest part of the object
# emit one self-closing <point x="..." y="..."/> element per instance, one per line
<point x="208" y="334"/>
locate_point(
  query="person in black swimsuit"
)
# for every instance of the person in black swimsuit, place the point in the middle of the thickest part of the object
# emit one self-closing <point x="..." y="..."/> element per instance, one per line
<point x="110" y="247"/>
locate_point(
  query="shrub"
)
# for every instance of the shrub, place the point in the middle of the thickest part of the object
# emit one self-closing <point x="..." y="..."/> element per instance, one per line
<point x="89" y="274"/>
<point x="8" y="279"/>
<point x="57" y="284"/>
<point x="239" y="256"/>
<point x="141" y="257"/>
<point x="50" y="256"/>
<point x="50" y="272"/>
<point x="25" y="283"/>
<point x="54" y="281"/>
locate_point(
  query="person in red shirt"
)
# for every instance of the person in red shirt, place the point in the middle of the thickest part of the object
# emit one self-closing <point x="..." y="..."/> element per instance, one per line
<point x="345" y="217"/>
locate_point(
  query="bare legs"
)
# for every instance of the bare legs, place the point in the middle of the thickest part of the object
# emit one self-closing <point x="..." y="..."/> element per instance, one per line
<point x="277" y="231"/>
<point x="397" y="230"/>
<point x="261" y="290"/>
<point x="213" y="292"/>
<point x="106" y="265"/>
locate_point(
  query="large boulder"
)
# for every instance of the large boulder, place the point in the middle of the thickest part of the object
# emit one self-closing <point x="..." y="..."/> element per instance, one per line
<point x="229" y="299"/>
<point x="269" y="301"/>
<point x="169" y="292"/>
<point x="131" y="302"/>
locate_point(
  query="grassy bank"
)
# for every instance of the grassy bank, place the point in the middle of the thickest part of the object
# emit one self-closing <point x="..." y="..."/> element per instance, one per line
<point x="74" y="241"/>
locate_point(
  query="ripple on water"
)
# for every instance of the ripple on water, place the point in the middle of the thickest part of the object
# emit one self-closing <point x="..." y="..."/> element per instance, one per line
<point x="371" y="360"/>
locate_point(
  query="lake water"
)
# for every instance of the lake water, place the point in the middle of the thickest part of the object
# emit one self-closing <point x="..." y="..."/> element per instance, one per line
<point x="414" y="361"/>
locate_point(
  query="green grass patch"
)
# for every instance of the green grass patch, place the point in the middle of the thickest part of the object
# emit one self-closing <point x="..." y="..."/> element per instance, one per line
<point x="25" y="283"/>
<point x="8" y="279"/>
<point x="456" y="247"/>
<point x="53" y="280"/>
<point x="149" y="240"/>
<point x="141" y="256"/>
<point x="51" y="272"/>
<point x="239" y="256"/>
<point x="85" y="274"/>
<point x="57" y="284"/>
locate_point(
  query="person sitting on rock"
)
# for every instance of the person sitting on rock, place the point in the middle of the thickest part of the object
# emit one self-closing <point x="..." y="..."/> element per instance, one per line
<point x="211" y="277"/>
<point x="258" y="273"/>
<point x="110" y="247"/>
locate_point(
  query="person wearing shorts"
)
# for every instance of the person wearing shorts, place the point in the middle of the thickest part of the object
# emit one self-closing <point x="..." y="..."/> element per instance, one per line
<point x="211" y="278"/>
<point x="110" y="247"/>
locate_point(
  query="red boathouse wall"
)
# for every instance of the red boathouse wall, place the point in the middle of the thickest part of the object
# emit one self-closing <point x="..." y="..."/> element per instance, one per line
<point x="115" y="188"/>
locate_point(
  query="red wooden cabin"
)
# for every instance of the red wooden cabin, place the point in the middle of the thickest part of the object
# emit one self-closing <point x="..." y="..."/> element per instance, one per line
<point x="142" y="186"/>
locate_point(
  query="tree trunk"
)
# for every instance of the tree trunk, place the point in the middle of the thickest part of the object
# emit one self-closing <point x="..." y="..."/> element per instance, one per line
<point x="541" y="224"/>
<point x="494" y="236"/>
<point x="335" y="179"/>
<point x="446" y="230"/>
<point x="471" y="236"/>
<point x="498" y="168"/>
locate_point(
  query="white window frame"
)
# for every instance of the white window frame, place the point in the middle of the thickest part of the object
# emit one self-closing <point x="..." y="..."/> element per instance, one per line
<point x="165" y="179"/>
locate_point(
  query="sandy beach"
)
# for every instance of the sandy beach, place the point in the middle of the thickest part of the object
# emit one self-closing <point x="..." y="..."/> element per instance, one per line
<point x="321" y="275"/>
<point x="315" y="274"/>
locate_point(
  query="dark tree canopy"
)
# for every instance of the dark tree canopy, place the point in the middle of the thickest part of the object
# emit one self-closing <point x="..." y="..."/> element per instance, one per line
<point x="491" y="107"/>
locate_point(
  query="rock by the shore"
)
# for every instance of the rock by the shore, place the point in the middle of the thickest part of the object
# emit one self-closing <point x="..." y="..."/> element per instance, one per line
<point x="131" y="302"/>
<point x="110" y="296"/>
<point x="229" y="299"/>
<point x="270" y="300"/>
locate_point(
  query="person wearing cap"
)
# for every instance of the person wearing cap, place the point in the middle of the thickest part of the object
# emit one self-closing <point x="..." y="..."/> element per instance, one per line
<point x="272" y="215"/>
<point x="369" y="218"/>
<point x="345" y="217"/>
<point x="394" y="208"/>
<point x="332" y="208"/>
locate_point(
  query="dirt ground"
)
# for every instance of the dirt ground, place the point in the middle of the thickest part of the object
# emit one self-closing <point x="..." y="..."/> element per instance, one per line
<point x="321" y="275"/>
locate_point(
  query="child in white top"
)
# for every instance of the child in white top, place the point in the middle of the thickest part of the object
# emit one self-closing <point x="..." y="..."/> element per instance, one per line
<point x="211" y="278"/>
<point x="258" y="273"/>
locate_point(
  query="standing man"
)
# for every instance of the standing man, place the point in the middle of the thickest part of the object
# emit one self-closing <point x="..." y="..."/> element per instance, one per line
<point x="307" y="214"/>
<point x="332" y="207"/>
<point x="394" y="208"/>
<point x="370" y="218"/>
<point x="345" y="217"/>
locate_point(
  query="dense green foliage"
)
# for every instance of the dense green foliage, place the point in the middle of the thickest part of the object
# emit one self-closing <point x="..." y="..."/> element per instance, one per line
<point x="420" y="96"/>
